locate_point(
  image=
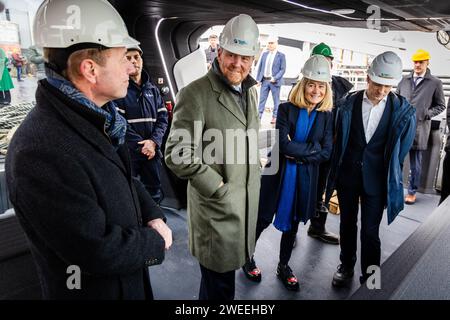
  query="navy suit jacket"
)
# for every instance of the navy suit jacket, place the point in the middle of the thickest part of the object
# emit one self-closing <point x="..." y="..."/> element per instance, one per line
<point x="311" y="153"/>
<point x="278" y="67"/>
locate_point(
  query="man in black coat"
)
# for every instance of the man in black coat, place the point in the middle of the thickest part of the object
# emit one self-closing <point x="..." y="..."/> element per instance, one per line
<point x="93" y="229"/>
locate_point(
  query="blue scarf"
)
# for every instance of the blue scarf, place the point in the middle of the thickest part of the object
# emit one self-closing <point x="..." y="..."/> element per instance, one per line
<point x="115" y="124"/>
<point x="285" y="215"/>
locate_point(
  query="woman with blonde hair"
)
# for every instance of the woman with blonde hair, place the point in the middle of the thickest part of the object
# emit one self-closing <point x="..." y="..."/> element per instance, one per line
<point x="305" y="140"/>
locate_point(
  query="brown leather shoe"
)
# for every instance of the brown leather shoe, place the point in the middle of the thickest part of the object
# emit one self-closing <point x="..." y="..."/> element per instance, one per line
<point x="410" y="199"/>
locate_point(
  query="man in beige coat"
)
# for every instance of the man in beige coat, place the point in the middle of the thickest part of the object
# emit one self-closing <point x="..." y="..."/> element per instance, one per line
<point x="213" y="143"/>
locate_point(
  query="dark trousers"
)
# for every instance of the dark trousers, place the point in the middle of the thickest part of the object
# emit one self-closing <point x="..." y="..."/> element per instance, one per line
<point x="287" y="238"/>
<point x="415" y="161"/>
<point x="216" y="286"/>
<point x="149" y="172"/>
<point x="371" y="214"/>
<point x="5" y="97"/>
<point x="445" y="177"/>
<point x="319" y="220"/>
<point x="287" y="243"/>
<point x="147" y="286"/>
<point x="267" y="86"/>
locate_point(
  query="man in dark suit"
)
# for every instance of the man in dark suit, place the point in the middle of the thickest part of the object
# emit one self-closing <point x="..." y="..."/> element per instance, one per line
<point x="271" y="69"/>
<point x="212" y="50"/>
<point x="375" y="130"/>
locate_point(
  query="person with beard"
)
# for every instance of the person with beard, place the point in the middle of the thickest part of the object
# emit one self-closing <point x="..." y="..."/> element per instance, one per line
<point x="222" y="192"/>
<point x="147" y="118"/>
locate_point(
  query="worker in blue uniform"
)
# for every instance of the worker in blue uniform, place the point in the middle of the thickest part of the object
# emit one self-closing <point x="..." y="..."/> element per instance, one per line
<point x="145" y="111"/>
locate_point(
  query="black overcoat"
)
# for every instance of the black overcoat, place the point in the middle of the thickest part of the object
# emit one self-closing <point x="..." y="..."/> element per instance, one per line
<point x="314" y="151"/>
<point x="78" y="204"/>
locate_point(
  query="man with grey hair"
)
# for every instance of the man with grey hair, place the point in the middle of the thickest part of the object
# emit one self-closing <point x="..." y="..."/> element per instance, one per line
<point x="68" y="167"/>
<point x="222" y="196"/>
<point x="272" y="67"/>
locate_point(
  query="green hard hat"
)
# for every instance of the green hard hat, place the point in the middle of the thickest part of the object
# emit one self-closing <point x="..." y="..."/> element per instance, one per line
<point x="323" y="50"/>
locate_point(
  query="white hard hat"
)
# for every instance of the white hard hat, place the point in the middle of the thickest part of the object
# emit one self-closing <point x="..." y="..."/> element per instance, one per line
<point x="63" y="23"/>
<point x="317" y="68"/>
<point x="272" y="38"/>
<point x="240" y="36"/>
<point x="386" y="69"/>
<point x="135" y="47"/>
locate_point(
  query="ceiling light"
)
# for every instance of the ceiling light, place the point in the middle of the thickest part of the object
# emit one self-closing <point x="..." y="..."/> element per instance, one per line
<point x="320" y="10"/>
<point x="343" y="11"/>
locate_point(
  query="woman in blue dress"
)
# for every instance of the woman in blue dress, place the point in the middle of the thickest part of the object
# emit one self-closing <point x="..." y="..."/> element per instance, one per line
<point x="305" y="140"/>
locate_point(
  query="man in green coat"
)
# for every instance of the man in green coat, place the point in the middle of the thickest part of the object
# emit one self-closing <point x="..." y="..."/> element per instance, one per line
<point x="214" y="144"/>
<point x="6" y="83"/>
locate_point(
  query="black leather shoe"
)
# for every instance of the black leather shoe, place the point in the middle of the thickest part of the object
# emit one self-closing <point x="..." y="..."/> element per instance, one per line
<point x="342" y="277"/>
<point x="251" y="271"/>
<point x="285" y="274"/>
<point x="324" y="236"/>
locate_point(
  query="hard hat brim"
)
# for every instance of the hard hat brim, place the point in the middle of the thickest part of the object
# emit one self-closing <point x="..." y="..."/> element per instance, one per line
<point x="239" y="50"/>
<point x="317" y="78"/>
<point x="384" y="81"/>
<point x="126" y="42"/>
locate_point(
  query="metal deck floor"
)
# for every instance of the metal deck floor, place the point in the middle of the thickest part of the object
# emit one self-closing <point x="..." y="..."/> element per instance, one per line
<point x="312" y="261"/>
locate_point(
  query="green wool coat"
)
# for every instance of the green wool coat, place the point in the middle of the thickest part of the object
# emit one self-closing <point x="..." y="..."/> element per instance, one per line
<point x="221" y="221"/>
<point x="5" y="79"/>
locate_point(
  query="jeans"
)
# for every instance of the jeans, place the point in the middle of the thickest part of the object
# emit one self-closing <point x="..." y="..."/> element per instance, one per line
<point x="19" y="73"/>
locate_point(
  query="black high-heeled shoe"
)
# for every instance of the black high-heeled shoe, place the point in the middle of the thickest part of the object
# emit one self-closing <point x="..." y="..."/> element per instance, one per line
<point x="251" y="271"/>
<point x="285" y="274"/>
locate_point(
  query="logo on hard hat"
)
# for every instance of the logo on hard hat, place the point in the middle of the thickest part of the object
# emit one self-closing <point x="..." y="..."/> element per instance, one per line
<point x="386" y="76"/>
<point x="240" y="42"/>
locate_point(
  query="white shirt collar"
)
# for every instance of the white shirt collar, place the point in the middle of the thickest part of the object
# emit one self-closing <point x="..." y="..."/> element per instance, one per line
<point x="366" y="98"/>
<point x="419" y="75"/>
<point x="238" y="87"/>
